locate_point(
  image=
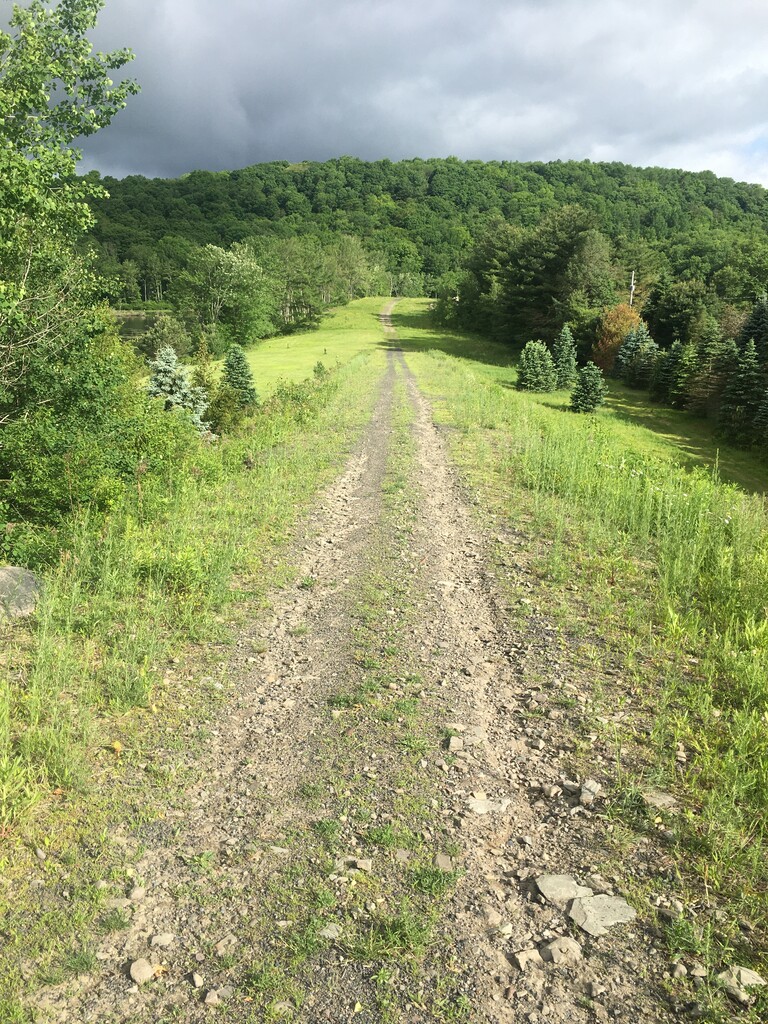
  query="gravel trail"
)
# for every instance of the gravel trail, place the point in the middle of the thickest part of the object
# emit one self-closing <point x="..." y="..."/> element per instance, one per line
<point x="403" y="567"/>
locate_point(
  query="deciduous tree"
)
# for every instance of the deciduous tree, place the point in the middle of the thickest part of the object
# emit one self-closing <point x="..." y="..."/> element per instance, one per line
<point x="53" y="91"/>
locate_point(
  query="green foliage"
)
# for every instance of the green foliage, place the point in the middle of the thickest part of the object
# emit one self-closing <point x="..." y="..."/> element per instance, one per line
<point x="536" y="283"/>
<point x="222" y="291"/>
<point x="536" y="370"/>
<point x="237" y="376"/>
<point x="761" y="424"/>
<point x="673" y="308"/>
<point x="564" y="353"/>
<point x="87" y="429"/>
<point x="590" y="390"/>
<point x="743" y="398"/>
<point x="166" y="332"/>
<point x="53" y="90"/>
<point x="756" y="329"/>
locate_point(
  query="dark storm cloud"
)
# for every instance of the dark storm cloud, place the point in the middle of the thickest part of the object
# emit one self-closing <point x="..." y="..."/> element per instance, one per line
<point x="232" y="82"/>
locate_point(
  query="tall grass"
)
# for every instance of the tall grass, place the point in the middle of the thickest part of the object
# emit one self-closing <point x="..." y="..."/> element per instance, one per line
<point x="131" y="591"/>
<point x="704" y="546"/>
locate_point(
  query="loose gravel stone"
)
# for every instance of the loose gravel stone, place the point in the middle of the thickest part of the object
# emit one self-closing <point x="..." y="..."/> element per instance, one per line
<point x="142" y="971"/>
<point x="559" y="890"/>
<point x="563" y="951"/>
<point x="737" y="980"/>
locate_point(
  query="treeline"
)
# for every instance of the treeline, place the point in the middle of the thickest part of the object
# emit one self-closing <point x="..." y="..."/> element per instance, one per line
<point x="697" y="341"/>
<point x="256" y="288"/>
<point x="418" y="220"/>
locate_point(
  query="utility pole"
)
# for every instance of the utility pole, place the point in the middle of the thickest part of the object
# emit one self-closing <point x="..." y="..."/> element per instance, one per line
<point x="632" y="289"/>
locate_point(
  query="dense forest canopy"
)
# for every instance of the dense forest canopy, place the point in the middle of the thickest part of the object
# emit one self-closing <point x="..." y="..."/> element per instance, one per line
<point x="694" y="225"/>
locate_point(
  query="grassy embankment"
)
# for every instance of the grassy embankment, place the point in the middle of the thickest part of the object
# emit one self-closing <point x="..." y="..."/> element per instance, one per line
<point x="127" y="647"/>
<point x="667" y="570"/>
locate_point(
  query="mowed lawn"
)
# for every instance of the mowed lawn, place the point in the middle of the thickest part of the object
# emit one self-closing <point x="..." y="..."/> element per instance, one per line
<point x="343" y="333"/>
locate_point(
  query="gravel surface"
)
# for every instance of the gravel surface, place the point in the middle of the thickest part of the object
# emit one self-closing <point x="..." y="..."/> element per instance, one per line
<point x="501" y="807"/>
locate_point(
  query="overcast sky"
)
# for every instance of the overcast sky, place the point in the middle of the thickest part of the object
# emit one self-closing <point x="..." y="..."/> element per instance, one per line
<point x="227" y="83"/>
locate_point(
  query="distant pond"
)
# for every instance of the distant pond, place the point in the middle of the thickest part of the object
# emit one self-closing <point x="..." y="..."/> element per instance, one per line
<point x="134" y="325"/>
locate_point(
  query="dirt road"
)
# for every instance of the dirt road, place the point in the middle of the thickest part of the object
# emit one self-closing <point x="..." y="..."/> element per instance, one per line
<point x="383" y="783"/>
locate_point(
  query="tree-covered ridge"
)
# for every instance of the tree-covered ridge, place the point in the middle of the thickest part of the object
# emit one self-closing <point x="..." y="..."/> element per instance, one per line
<point x="424" y="213"/>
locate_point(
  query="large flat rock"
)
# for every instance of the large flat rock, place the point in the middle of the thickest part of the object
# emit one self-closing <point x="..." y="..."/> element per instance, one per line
<point x="596" y="914"/>
<point x="19" y="592"/>
<point x="559" y="890"/>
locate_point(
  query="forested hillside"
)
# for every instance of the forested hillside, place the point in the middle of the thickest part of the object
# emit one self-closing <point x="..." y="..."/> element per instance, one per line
<point x="420" y="216"/>
<point x="515" y="251"/>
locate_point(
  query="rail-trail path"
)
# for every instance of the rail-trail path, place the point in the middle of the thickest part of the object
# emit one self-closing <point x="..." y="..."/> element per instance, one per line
<point x="386" y="778"/>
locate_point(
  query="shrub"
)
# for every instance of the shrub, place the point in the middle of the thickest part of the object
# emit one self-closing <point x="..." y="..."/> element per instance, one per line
<point x="590" y="390"/>
<point x="165" y="331"/>
<point x="536" y="369"/>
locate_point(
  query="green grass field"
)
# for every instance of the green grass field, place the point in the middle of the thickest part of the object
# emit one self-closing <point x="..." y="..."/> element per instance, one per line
<point x="649" y="431"/>
<point x="342" y="335"/>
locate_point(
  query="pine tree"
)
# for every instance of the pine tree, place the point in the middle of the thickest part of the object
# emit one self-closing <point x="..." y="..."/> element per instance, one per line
<point x="756" y="329"/>
<point x="664" y="371"/>
<point x="169" y="382"/>
<point x="590" y="390"/>
<point x="626" y="352"/>
<point x="238" y="377"/>
<point x="761" y="424"/>
<point x="636" y="357"/>
<point x="565" y="358"/>
<point x="706" y="384"/>
<point x="202" y="376"/>
<point x="536" y="369"/>
<point x="743" y="398"/>
<point x="685" y="373"/>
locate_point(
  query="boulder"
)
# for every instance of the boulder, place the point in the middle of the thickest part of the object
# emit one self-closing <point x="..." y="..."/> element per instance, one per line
<point x="19" y="592"/>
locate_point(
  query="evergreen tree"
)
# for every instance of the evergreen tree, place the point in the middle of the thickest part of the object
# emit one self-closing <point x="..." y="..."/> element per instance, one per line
<point x="761" y="424"/>
<point x="743" y="398"/>
<point x="590" y="390"/>
<point x="635" y="359"/>
<point x="238" y="377"/>
<point x="536" y="369"/>
<point x="684" y="375"/>
<point x="565" y="358"/>
<point x="169" y="382"/>
<point x="756" y="329"/>
<point x="202" y="376"/>
<point x="664" y="371"/>
<point x="706" y="384"/>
